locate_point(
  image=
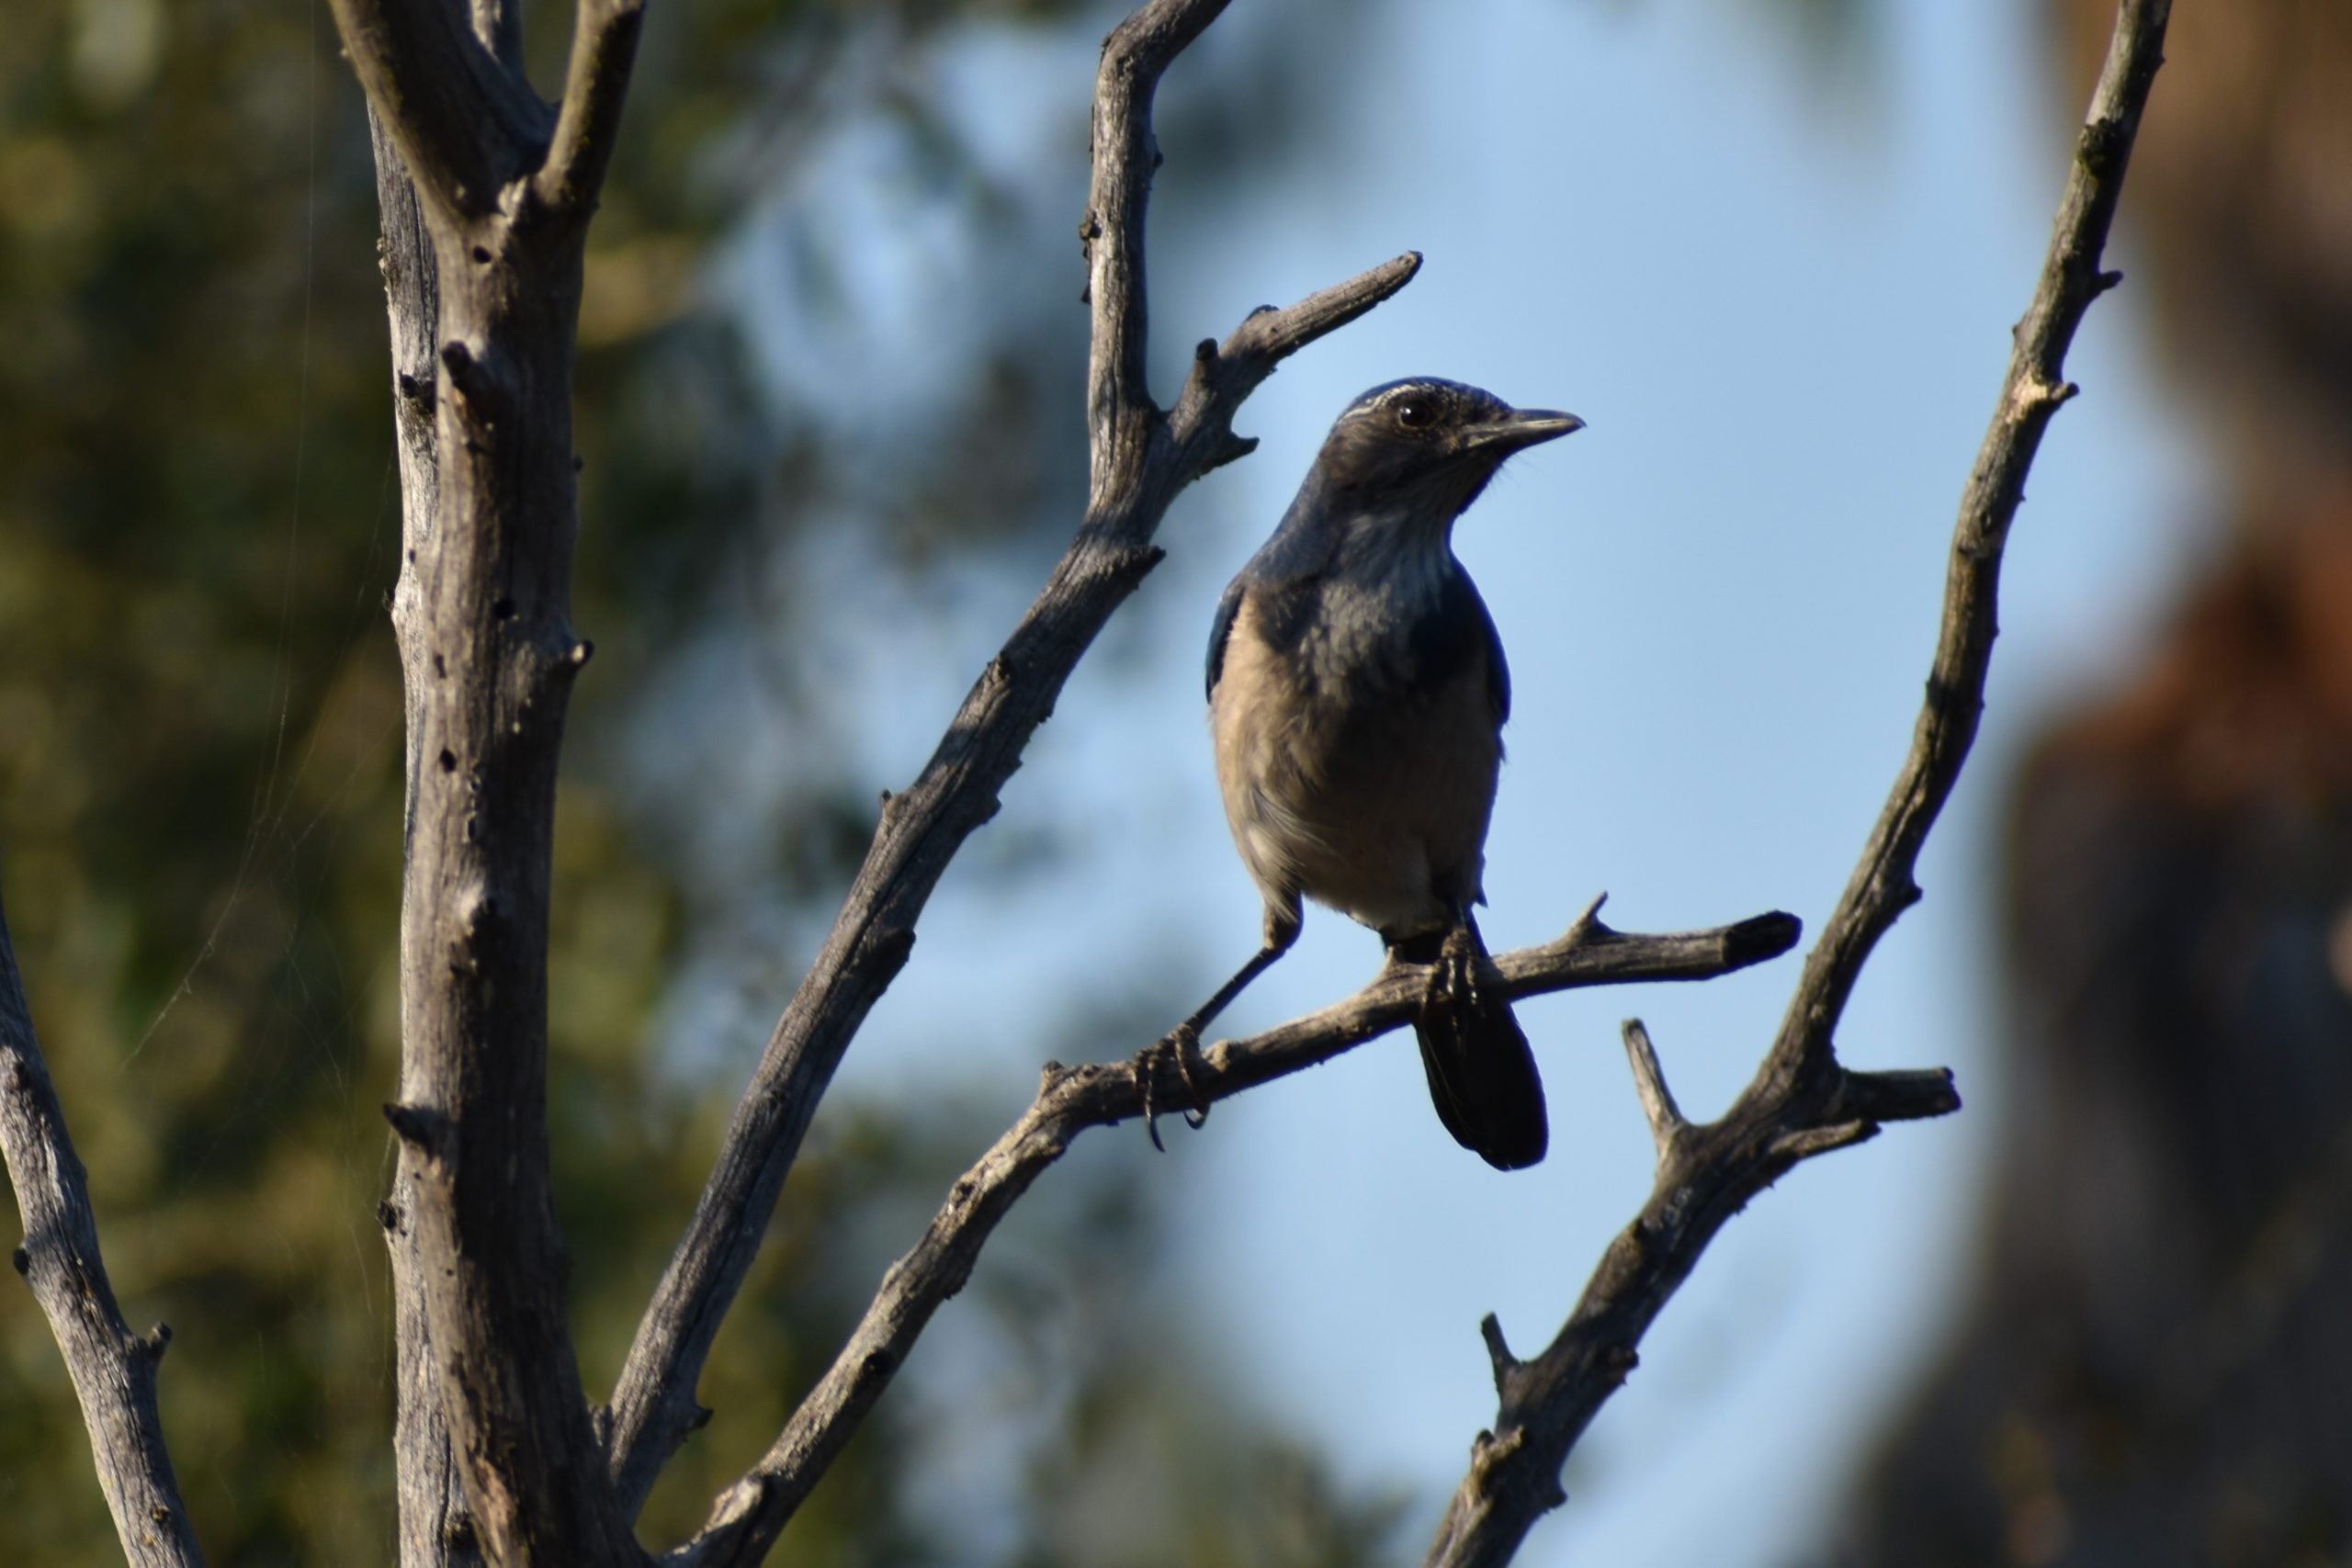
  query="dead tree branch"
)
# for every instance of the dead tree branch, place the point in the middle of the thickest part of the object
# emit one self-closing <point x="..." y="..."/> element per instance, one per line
<point x="750" y="1513"/>
<point x="436" y="1531"/>
<point x="1142" y="456"/>
<point x="113" y="1369"/>
<point x="503" y="191"/>
<point x="1802" y="1103"/>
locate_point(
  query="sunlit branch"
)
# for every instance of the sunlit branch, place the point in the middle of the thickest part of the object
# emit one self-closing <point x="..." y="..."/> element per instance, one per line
<point x="113" y="1369"/>
<point x="1802" y="1103"/>
<point x="1142" y="456"/>
<point x="749" y="1515"/>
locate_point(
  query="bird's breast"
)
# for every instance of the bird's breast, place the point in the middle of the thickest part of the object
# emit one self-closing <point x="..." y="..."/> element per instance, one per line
<point x="1351" y="771"/>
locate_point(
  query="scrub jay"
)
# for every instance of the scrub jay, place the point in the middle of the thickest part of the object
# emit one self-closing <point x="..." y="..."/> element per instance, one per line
<point x="1357" y="694"/>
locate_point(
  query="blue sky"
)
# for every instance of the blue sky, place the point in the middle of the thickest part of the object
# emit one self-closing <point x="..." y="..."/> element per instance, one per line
<point x="1785" y="312"/>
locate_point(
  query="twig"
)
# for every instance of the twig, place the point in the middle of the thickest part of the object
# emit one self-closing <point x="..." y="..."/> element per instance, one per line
<point x="604" y="47"/>
<point x="1667" y="1127"/>
<point x="113" y="1369"/>
<point x="1802" y="1102"/>
<point x="748" y="1515"/>
<point x="1141" y="459"/>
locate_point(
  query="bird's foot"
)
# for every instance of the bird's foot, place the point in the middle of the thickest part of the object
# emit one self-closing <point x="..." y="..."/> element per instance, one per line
<point x="1183" y="1043"/>
<point x="1454" y="978"/>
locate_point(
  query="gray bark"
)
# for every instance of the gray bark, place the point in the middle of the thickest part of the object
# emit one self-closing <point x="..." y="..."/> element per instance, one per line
<point x="504" y="191"/>
<point x="434" y="1530"/>
<point x="113" y="1369"/>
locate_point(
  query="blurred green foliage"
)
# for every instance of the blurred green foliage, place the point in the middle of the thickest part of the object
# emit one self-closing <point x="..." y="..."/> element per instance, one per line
<point x="199" y="814"/>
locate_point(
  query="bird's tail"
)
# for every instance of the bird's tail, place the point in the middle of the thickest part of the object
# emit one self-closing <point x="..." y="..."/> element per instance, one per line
<point x="1482" y="1074"/>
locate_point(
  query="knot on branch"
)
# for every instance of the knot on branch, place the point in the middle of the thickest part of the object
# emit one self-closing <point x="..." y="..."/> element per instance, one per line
<point x="892" y="948"/>
<point x="421" y="1128"/>
<point x="2101" y="146"/>
<point x="1131" y="566"/>
<point x="417" y="396"/>
<point x="482" y="387"/>
<point x="1804" y="1143"/>
<point x="1492" y="1451"/>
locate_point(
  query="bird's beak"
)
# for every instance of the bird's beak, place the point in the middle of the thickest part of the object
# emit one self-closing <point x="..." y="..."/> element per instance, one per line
<point x="1519" y="429"/>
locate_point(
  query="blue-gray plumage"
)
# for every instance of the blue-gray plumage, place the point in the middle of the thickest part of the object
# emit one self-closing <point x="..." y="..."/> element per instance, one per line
<point x="1357" y="694"/>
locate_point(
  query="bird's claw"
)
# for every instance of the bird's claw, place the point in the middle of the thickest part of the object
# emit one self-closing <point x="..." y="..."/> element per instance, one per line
<point x="1454" y="978"/>
<point x="1184" y="1043"/>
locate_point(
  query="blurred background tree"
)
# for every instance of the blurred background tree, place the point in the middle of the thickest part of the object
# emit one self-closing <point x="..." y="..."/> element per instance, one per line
<point x="199" y="742"/>
<point x="2154" y="1369"/>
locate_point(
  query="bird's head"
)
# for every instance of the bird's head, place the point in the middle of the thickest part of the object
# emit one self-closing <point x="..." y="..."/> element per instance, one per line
<point x="1425" y="447"/>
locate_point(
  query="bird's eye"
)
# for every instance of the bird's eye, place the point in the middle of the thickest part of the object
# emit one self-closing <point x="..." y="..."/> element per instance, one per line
<point x="1414" y="412"/>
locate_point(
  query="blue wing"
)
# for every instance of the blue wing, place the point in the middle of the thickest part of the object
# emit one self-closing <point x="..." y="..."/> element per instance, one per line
<point x="1221" y="631"/>
<point x="1456" y="631"/>
<point x="1498" y="669"/>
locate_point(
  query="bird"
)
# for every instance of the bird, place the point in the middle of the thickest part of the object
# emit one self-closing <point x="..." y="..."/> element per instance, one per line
<point x="1357" y="693"/>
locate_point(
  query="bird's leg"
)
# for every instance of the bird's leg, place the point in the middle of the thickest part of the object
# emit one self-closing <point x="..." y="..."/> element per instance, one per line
<point x="1459" y="957"/>
<point x="1453" y="968"/>
<point x="1185" y="1041"/>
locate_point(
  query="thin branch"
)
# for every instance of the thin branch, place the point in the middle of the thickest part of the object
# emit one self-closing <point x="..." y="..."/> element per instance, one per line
<point x="1885" y="881"/>
<point x="1223" y="376"/>
<point x="588" y="121"/>
<point x="1802" y="1102"/>
<point x="113" y="1369"/>
<point x="1667" y="1127"/>
<point x="747" y="1516"/>
<point x="1119" y="413"/>
<point x="1141" y="459"/>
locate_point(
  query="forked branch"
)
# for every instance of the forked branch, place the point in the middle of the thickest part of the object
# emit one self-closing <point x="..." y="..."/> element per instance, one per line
<point x="1802" y="1103"/>
<point x="749" y="1515"/>
<point x="1141" y="459"/>
<point x="489" y="1384"/>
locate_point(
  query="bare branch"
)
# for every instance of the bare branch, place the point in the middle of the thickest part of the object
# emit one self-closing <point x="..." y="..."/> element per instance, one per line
<point x="604" y="47"/>
<point x="747" y="1516"/>
<point x="1223" y="376"/>
<point x="1120" y="414"/>
<point x="1884" y="883"/>
<point x="490" y="1387"/>
<point x="113" y="1369"/>
<point x="1802" y="1103"/>
<point x="1141" y="460"/>
<point x="1667" y="1123"/>
<point x="465" y="123"/>
<point x="436" y="1531"/>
